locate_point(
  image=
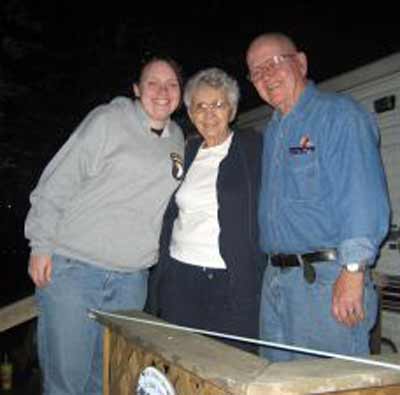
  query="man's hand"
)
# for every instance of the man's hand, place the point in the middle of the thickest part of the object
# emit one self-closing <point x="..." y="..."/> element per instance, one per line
<point x="39" y="269"/>
<point x="348" y="297"/>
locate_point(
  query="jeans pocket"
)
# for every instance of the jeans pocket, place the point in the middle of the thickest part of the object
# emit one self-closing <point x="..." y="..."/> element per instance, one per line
<point x="63" y="264"/>
<point x="326" y="273"/>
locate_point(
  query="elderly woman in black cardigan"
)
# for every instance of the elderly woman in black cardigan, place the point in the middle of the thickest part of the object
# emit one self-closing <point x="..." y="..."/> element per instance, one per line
<point x="209" y="271"/>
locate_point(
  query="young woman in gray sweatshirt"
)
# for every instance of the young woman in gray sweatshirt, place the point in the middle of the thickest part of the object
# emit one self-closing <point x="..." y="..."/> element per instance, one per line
<point x="95" y="220"/>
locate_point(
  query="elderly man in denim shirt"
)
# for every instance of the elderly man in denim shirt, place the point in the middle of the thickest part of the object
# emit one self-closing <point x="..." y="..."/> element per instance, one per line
<point x="323" y="209"/>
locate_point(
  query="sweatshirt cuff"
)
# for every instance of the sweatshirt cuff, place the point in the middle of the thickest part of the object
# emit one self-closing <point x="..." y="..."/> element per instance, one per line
<point x="41" y="251"/>
<point x="357" y="250"/>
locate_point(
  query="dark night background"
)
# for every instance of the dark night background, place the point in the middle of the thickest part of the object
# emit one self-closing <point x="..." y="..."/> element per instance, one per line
<point x="59" y="59"/>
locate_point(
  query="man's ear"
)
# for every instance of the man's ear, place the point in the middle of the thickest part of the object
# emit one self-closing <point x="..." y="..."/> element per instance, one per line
<point x="136" y="90"/>
<point x="303" y="63"/>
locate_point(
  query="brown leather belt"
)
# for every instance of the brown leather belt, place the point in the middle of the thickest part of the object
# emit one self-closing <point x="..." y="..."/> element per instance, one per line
<point x="292" y="260"/>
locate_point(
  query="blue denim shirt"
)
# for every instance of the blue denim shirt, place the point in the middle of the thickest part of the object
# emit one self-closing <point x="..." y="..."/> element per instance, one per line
<point x="323" y="183"/>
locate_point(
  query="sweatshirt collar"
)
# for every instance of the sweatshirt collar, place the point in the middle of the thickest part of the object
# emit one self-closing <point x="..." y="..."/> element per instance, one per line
<point x="144" y="120"/>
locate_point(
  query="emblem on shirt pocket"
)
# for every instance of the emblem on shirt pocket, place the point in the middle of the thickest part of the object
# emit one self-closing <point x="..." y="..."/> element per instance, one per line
<point x="306" y="146"/>
<point x="177" y="165"/>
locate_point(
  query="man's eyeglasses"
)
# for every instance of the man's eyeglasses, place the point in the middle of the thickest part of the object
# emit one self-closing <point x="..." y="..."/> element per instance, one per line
<point x="269" y="66"/>
<point x="202" y="108"/>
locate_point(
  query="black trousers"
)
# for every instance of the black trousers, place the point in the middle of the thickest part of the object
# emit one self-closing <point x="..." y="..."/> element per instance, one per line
<point x="209" y="299"/>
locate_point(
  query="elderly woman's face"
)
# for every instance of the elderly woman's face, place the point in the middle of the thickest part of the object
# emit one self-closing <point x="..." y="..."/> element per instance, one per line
<point x="210" y="112"/>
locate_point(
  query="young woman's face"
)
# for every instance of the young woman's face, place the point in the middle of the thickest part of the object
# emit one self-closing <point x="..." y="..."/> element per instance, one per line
<point x="159" y="92"/>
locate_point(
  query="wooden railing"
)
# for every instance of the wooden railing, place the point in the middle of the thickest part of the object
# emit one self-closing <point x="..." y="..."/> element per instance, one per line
<point x="17" y="313"/>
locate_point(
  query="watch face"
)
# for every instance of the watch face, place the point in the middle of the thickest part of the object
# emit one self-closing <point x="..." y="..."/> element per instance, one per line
<point x="352" y="267"/>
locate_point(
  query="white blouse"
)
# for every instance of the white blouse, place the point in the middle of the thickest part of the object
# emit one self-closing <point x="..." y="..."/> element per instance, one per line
<point x="195" y="235"/>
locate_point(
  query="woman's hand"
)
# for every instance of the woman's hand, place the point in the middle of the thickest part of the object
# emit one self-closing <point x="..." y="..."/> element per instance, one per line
<point x="40" y="267"/>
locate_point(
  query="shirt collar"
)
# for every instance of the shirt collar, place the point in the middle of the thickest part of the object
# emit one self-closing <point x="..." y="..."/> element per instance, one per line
<point x="300" y="107"/>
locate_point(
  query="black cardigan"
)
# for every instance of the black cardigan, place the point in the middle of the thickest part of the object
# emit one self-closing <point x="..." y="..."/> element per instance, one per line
<point x="237" y="193"/>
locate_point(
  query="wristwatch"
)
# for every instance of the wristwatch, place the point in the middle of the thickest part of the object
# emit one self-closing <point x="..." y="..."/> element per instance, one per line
<point x="355" y="267"/>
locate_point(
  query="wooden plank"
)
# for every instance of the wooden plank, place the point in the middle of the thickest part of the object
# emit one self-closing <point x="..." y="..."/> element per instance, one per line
<point x="327" y="376"/>
<point x="206" y="358"/>
<point x="17" y="313"/>
<point x="389" y="390"/>
<point x="199" y="365"/>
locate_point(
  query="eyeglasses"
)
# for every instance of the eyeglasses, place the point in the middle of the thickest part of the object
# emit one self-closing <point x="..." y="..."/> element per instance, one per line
<point x="202" y="108"/>
<point x="269" y="66"/>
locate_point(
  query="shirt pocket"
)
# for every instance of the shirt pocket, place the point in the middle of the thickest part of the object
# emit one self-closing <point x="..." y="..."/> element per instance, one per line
<point x="302" y="172"/>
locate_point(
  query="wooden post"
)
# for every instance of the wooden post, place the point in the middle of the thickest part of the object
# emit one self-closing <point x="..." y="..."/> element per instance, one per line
<point x="106" y="361"/>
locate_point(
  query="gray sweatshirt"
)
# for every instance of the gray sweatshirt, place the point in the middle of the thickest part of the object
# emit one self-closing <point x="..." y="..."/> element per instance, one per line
<point x="102" y="197"/>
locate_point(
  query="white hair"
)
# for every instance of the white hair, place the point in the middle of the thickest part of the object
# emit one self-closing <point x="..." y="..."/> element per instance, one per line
<point x="215" y="78"/>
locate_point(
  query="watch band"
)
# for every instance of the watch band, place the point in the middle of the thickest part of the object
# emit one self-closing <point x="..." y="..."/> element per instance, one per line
<point x="355" y="267"/>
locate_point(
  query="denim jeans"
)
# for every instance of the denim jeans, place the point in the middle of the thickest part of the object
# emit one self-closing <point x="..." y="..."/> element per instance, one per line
<point x="69" y="342"/>
<point x="296" y="313"/>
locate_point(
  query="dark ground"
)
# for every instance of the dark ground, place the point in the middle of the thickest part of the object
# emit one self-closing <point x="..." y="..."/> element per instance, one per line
<point x="25" y="385"/>
<point x="20" y="346"/>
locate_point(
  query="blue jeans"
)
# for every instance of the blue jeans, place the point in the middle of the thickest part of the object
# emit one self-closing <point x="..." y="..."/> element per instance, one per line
<point x="296" y="313"/>
<point x="69" y="342"/>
